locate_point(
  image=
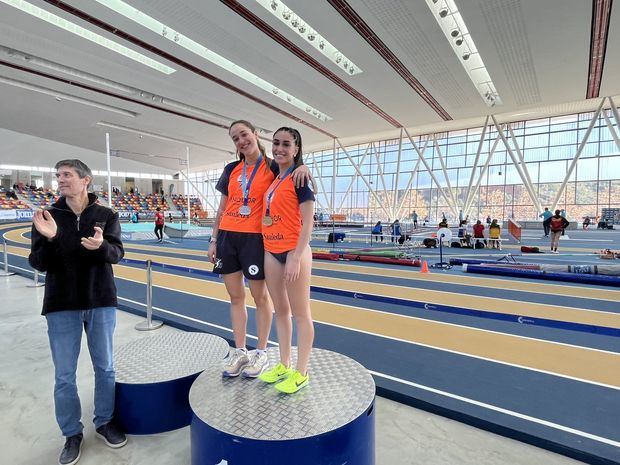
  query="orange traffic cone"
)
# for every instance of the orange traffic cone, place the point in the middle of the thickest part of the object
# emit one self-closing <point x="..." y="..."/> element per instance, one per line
<point x="424" y="267"/>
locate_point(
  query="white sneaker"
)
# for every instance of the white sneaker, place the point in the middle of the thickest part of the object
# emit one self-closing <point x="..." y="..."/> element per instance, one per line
<point x="258" y="364"/>
<point x="235" y="363"/>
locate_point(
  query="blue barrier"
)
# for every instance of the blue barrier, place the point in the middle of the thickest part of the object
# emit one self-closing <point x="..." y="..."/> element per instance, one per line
<point x="182" y="269"/>
<point x="521" y="319"/>
<point x="555" y="276"/>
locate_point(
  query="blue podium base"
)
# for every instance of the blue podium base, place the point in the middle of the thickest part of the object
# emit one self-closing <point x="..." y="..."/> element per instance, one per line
<point x="153" y="408"/>
<point x="353" y="444"/>
<point x="154" y="376"/>
<point x="238" y="421"/>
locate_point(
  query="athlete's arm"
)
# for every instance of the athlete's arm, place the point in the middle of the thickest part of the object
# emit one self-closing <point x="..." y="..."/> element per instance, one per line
<point x="216" y="227"/>
<point x="291" y="270"/>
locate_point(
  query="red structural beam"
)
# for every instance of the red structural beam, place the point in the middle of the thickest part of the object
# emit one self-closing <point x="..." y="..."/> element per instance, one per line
<point x="295" y="50"/>
<point x="194" y="69"/>
<point x="601" y="12"/>
<point x="375" y="42"/>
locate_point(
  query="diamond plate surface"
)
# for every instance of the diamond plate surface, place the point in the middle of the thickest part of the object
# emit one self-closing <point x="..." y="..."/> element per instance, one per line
<point x="340" y="390"/>
<point x="167" y="357"/>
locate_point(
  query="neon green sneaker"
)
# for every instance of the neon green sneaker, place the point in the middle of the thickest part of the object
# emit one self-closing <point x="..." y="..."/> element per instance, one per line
<point x="275" y="374"/>
<point x="293" y="383"/>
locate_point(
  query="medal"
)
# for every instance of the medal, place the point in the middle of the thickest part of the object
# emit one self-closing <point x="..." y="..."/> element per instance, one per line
<point x="244" y="209"/>
<point x="267" y="220"/>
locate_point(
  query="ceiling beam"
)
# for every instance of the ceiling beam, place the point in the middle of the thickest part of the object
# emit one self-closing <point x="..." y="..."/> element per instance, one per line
<point x="194" y="69"/>
<point x="144" y="103"/>
<point x="601" y="13"/>
<point x="298" y="52"/>
<point x="384" y="51"/>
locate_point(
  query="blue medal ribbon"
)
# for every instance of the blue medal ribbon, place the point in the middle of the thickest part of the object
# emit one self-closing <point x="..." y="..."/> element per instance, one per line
<point x="245" y="183"/>
<point x="271" y="191"/>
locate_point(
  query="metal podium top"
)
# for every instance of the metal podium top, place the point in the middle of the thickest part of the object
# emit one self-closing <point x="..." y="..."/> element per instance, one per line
<point x="167" y="357"/>
<point x="340" y="390"/>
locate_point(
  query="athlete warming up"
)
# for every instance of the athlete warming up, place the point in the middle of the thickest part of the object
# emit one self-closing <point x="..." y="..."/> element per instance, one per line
<point x="236" y="246"/>
<point x="287" y="227"/>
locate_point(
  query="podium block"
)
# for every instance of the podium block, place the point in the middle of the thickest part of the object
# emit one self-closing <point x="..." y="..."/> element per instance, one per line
<point x="154" y="375"/>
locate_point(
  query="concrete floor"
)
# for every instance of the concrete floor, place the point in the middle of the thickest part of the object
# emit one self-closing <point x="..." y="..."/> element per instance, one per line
<point x="30" y="436"/>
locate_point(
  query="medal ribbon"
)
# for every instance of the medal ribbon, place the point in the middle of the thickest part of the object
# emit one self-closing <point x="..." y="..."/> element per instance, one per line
<point x="271" y="191"/>
<point x="245" y="183"/>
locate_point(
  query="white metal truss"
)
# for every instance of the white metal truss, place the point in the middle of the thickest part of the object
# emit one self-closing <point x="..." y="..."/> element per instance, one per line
<point x="363" y="178"/>
<point x="380" y="172"/>
<point x="454" y="205"/>
<point x="610" y="125"/>
<point x="476" y="160"/>
<point x="319" y="176"/>
<point x="614" y="110"/>
<point x="430" y="171"/>
<point x="411" y="177"/>
<point x="472" y="195"/>
<point x="518" y="164"/>
<point x="582" y="144"/>
<point x="353" y="179"/>
<point x="197" y="189"/>
<point x="396" y="190"/>
<point x="213" y="191"/>
<point x="332" y="202"/>
<point x="391" y="200"/>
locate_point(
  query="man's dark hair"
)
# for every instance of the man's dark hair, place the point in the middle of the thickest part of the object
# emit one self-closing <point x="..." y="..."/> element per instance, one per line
<point x="79" y="166"/>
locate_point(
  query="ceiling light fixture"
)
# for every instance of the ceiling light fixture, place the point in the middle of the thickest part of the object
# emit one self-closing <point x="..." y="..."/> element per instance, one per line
<point x="284" y="13"/>
<point x="79" y="31"/>
<point x="188" y="44"/>
<point x="62" y="96"/>
<point x="453" y="26"/>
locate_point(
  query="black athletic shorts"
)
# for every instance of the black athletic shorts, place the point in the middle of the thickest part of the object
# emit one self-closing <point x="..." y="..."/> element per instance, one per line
<point x="281" y="257"/>
<point x="240" y="251"/>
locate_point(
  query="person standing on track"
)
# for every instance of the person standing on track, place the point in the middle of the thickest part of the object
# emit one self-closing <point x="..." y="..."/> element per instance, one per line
<point x="236" y="244"/>
<point x="545" y="216"/>
<point x="159" y="225"/>
<point x="287" y="228"/>
<point x="557" y="224"/>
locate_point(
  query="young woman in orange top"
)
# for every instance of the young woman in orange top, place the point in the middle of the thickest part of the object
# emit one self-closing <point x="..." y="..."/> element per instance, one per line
<point x="287" y="227"/>
<point x="236" y="246"/>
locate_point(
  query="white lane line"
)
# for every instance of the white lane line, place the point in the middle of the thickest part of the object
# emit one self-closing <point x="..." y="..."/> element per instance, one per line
<point x="512" y="413"/>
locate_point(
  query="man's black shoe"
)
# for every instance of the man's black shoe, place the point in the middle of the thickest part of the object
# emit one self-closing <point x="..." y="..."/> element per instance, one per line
<point x="112" y="436"/>
<point x="71" y="452"/>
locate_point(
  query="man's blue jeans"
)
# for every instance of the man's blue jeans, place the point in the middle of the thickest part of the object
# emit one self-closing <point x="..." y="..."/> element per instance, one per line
<point x="65" y="335"/>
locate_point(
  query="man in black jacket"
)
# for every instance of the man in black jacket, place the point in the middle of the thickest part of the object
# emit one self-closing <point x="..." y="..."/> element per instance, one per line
<point x="76" y="242"/>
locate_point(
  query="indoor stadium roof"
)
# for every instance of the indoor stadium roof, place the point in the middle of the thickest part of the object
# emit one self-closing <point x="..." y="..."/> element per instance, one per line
<point x="58" y="82"/>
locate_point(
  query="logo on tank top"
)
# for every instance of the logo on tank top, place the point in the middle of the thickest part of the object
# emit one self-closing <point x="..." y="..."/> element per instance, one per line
<point x="253" y="270"/>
